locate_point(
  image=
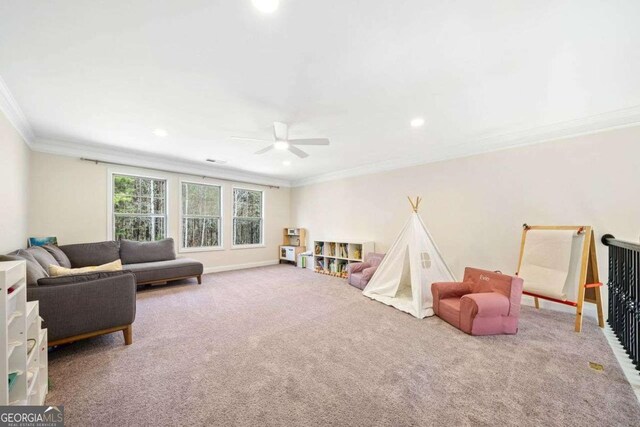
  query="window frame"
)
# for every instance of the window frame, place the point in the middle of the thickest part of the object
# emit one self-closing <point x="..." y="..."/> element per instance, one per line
<point x="220" y="247"/>
<point x="262" y="243"/>
<point x="110" y="211"/>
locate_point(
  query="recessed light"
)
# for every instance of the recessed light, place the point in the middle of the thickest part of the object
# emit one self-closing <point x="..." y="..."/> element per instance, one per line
<point x="286" y="163"/>
<point x="417" y="122"/>
<point x="266" y="6"/>
<point x="160" y="133"/>
<point x="281" y="145"/>
<point x="220" y="162"/>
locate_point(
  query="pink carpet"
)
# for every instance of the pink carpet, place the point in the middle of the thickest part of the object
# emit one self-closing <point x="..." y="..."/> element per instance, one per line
<point x="284" y="346"/>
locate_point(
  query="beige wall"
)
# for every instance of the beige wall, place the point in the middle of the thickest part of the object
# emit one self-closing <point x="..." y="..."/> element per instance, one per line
<point x="14" y="176"/>
<point x="69" y="200"/>
<point x="474" y="207"/>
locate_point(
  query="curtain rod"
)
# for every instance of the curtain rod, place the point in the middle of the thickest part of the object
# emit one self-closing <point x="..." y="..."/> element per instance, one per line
<point x="96" y="161"/>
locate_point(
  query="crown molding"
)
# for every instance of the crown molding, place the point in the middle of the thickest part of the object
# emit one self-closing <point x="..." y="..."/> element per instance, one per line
<point x="138" y="159"/>
<point x="9" y="106"/>
<point x="611" y="120"/>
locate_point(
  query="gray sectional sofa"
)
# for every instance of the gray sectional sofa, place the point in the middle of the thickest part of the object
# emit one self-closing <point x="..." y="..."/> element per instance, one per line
<point x="85" y="305"/>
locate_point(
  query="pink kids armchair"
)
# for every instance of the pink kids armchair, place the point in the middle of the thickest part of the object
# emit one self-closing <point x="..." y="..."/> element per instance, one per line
<point x="484" y="303"/>
<point x="359" y="273"/>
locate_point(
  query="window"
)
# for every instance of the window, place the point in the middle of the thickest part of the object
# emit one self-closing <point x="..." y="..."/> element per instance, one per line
<point x="200" y="215"/>
<point x="139" y="208"/>
<point x="247" y="217"/>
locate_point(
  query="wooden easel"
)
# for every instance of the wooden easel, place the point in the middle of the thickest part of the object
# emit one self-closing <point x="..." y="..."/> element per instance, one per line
<point x="589" y="281"/>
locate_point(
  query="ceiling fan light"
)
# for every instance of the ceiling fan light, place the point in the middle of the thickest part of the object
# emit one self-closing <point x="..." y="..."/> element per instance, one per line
<point x="281" y="145"/>
<point x="266" y="6"/>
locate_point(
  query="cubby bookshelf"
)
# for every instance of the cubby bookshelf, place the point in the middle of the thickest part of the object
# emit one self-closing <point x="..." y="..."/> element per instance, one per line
<point x="332" y="256"/>
<point x="24" y="343"/>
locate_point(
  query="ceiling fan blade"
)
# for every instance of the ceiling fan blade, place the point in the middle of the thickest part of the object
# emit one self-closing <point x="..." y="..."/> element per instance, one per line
<point x="280" y="131"/>
<point x="264" y="150"/>
<point x="298" y="152"/>
<point x="309" y="141"/>
<point x="242" y="138"/>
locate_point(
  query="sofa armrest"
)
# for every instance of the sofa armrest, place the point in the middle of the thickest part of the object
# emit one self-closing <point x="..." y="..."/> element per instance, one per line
<point x="485" y="304"/>
<point x="77" y="308"/>
<point x="441" y="290"/>
<point x="356" y="267"/>
<point x="367" y="273"/>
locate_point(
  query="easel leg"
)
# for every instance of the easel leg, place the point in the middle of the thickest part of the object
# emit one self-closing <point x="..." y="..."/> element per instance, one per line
<point x="578" y="327"/>
<point x="599" y="307"/>
<point x="536" y="302"/>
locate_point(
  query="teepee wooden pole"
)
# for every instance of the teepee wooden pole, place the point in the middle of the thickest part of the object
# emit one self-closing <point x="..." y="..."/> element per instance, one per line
<point x="413" y="206"/>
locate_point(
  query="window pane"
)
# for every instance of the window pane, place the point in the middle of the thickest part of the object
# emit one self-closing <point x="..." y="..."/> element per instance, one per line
<point x="159" y="196"/>
<point x="137" y="228"/>
<point x="124" y="192"/>
<point x="200" y="232"/>
<point x="200" y="199"/>
<point x="247" y="231"/>
<point x="247" y="203"/>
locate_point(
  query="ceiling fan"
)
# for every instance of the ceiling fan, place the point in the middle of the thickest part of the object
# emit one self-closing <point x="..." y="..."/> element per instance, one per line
<point x="282" y="141"/>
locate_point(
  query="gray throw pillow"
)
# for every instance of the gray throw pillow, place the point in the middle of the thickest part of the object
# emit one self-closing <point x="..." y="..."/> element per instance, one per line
<point x="91" y="254"/>
<point x="60" y="257"/>
<point x="132" y="252"/>
<point x="44" y="258"/>
<point x="34" y="269"/>
<point x="79" y="278"/>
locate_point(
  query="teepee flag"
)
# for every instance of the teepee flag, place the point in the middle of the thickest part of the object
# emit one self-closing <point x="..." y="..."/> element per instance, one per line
<point x="403" y="279"/>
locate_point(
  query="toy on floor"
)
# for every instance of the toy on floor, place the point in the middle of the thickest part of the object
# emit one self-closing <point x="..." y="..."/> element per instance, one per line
<point x="359" y="273"/>
<point x="484" y="303"/>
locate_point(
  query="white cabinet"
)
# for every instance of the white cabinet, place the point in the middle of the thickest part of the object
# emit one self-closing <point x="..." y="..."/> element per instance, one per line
<point x="23" y="342"/>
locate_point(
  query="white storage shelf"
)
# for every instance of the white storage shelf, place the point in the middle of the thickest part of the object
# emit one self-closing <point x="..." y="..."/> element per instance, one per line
<point x="24" y="342"/>
<point x="332" y="256"/>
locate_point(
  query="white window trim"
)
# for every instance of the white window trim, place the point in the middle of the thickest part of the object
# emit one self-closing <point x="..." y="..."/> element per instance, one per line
<point x="264" y="220"/>
<point x="110" y="174"/>
<point x="220" y="246"/>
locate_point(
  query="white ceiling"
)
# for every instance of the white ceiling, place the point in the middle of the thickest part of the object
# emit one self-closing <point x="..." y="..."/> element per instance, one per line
<point x="484" y="75"/>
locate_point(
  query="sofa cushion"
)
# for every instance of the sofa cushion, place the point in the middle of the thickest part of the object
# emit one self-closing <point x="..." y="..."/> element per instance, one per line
<point x="165" y="270"/>
<point x="89" y="254"/>
<point x="132" y="252"/>
<point x="56" y="270"/>
<point x="60" y="257"/>
<point x="44" y="258"/>
<point x="79" y="278"/>
<point x="34" y="269"/>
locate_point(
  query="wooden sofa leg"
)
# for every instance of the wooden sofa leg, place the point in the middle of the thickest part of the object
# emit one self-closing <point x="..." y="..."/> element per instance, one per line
<point x="128" y="335"/>
<point x="200" y="280"/>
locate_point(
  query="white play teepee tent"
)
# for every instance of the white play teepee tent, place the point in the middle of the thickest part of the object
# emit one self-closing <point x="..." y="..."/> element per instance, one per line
<point x="403" y="279"/>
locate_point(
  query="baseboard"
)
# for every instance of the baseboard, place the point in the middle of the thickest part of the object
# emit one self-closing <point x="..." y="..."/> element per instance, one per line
<point x="220" y="268"/>
<point x="630" y="371"/>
